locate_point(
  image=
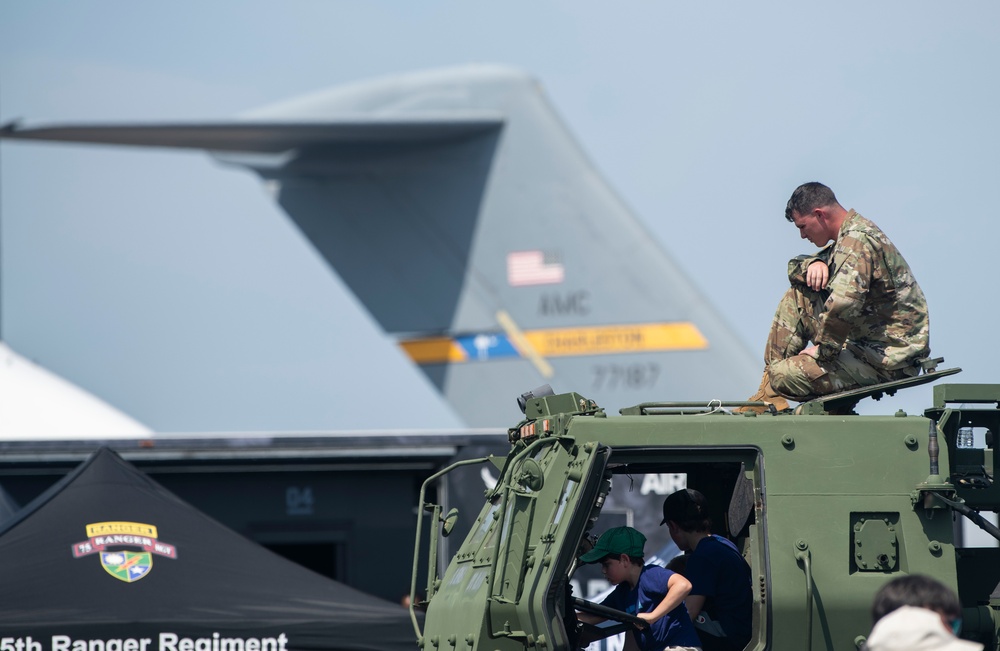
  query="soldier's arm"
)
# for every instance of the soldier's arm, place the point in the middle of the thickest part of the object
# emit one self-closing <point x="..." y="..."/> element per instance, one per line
<point x="798" y="267"/>
<point x="848" y="289"/>
<point x="817" y="275"/>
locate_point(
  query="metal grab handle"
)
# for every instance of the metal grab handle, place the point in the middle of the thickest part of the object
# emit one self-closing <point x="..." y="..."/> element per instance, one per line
<point x="609" y="613"/>
<point x="432" y="559"/>
<point x="802" y="554"/>
<point x="971" y="514"/>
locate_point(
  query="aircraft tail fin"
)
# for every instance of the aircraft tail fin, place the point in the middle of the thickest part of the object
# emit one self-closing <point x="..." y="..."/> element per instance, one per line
<point x="460" y="210"/>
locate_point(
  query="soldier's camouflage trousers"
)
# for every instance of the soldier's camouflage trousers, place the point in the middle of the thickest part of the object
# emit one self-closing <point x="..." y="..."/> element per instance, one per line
<point x="799" y="376"/>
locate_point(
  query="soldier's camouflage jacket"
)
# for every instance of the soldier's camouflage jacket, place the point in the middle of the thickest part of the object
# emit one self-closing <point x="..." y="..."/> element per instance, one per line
<point x="872" y="298"/>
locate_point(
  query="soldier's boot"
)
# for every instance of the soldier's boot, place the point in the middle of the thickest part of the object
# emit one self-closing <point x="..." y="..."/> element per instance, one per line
<point x="767" y="395"/>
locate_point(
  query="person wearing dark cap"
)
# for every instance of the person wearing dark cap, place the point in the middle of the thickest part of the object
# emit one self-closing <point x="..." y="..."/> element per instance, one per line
<point x="649" y="592"/>
<point x="721" y="598"/>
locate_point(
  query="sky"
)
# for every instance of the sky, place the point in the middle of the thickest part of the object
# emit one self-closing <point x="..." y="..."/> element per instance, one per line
<point x="176" y="290"/>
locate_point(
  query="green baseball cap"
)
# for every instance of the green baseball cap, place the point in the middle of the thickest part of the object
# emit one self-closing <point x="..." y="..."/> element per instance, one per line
<point x="620" y="540"/>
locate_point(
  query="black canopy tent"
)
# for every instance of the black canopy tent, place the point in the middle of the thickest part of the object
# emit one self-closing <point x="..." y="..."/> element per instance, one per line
<point x="109" y="555"/>
<point x="8" y="507"/>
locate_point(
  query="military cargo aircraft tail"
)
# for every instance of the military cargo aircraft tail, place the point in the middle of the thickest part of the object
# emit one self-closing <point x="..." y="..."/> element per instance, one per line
<point x="460" y="210"/>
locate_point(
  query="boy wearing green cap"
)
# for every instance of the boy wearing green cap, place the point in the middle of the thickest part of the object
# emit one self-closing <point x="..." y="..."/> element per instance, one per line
<point x="649" y="592"/>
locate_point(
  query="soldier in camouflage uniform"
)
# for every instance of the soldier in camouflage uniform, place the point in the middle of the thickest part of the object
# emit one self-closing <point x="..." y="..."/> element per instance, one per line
<point x="856" y="300"/>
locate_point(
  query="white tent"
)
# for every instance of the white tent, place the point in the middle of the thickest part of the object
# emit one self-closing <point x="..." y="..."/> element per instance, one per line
<point x="37" y="404"/>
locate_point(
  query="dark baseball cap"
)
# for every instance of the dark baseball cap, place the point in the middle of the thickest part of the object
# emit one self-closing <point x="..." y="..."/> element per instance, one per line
<point x="613" y="542"/>
<point x="687" y="505"/>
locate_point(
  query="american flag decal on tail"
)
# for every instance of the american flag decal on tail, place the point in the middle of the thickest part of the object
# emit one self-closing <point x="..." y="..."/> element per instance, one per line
<point x="534" y="268"/>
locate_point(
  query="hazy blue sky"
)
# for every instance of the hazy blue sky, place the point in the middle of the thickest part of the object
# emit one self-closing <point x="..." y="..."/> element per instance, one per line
<point x="176" y="290"/>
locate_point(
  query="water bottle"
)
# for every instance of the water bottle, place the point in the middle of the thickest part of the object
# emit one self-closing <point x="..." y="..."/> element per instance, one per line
<point x="964" y="437"/>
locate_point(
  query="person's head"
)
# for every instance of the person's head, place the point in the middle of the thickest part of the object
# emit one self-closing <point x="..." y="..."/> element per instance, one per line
<point x="678" y="564"/>
<point x="815" y="211"/>
<point x="922" y="592"/>
<point x="686" y="512"/>
<point x="619" y="551"/>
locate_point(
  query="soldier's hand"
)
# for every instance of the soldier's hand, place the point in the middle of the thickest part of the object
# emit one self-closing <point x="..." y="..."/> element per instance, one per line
<point x="586" y="545"/>
<point x="817" y="275"/>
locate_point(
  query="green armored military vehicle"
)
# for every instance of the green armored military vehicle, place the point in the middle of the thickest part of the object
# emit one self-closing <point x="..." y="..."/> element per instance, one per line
<point x="826" y="506"/>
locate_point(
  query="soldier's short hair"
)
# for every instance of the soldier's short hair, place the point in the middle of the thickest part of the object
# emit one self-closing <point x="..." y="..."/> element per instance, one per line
<point x="807" y="197"/>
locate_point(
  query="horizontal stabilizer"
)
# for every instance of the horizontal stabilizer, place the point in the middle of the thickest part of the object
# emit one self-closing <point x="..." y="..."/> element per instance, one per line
<point x="264" y="137"/>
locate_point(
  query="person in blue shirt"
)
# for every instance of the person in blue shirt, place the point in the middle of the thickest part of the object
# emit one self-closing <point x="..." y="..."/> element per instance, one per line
<point x="649" y="592"/>
<point x="721" y="598"/>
